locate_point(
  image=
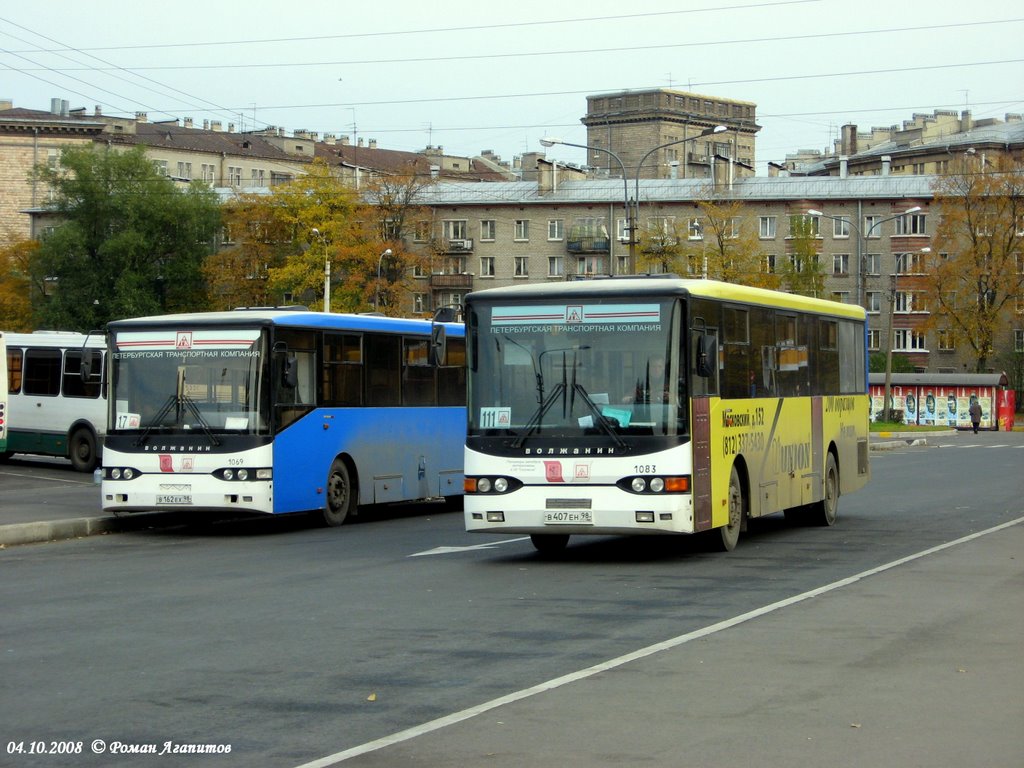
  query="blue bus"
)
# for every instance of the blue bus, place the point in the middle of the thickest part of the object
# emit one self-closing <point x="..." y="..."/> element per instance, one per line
<point x="276" y="411"/>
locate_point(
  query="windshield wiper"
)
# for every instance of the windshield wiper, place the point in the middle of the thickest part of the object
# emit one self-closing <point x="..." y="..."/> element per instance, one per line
<point x="603" y="421"/>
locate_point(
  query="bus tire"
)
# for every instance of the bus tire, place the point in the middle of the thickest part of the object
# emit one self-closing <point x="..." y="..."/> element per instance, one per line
<point x="549" y="543"/>
<point x="824" y="512"/>
<point x="82" y="450"/>
<point x="341" y="495"/>
<point x="729" y="534"/>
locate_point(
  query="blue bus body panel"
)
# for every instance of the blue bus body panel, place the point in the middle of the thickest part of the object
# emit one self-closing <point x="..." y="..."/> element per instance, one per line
<point x="433" y="439"/>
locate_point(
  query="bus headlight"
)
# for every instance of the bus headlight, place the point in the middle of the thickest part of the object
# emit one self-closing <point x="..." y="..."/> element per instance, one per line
<point x="115" y="473"/>
<point x="243" y="474"/>
<point x="639" y="485"/>
<point x="490" y="484"/>
<point x="657" y="484"/>
<point x="229" y="474"/>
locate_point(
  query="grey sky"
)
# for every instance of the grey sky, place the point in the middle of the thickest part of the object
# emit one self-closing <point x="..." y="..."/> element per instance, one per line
<point x="456" y="73"/>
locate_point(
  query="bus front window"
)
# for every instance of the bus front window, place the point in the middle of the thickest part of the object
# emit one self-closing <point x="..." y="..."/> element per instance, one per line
<point x="204" y="389"/>
<point x="559" y="380"/>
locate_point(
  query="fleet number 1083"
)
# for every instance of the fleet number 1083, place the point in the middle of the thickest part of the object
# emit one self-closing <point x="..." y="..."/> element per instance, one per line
<point x="645" y="469"/>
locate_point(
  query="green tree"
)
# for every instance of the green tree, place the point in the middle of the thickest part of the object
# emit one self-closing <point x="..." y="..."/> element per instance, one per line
<point x="130" y="242"/>
<point x="976" y="269"/>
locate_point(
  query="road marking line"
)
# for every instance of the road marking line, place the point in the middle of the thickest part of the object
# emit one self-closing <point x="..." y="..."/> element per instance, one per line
<point x="52" y="479"/>
<point x="675" y="642"/>
<point x="450" y="550"/>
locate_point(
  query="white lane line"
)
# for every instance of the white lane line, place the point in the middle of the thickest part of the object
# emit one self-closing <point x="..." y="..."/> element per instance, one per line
<point x="675" y="642"/>
<point x="470" y="548"/>
<point x="51" y="479"/>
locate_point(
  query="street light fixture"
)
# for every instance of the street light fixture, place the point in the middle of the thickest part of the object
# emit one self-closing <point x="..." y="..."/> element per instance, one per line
<point x="630" y="208"/>
<point x="376" y="293"/>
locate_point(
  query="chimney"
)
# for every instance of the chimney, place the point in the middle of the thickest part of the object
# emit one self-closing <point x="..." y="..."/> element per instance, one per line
<point x="344" y="141"/>
<point x="206" y="125"/>
<point x="98" y="111"/>
<point x="215" y="125"/>
<point x="886" y="164"/>
<point x="844" y="166"/>
<point x="188" y="122"/>
<point x="141" y="117"/>
<point x="848" y="140"/>
<point x="231" y="127"/>
<point x="373" y="143"/>
<point x="360" y="141"/>
<point x="966" y="121"/>
<point x="330" y="138"/>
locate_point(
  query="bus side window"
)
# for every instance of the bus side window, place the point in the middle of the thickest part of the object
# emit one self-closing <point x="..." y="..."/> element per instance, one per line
<point x="14" y="369"/>
<point x="42" y="372"/>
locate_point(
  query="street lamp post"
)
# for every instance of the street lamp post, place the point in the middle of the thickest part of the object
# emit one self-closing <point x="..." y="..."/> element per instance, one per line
<point x="327" y="269"/>
<point x="376" y="293"/>
<point x="632" y="208"/>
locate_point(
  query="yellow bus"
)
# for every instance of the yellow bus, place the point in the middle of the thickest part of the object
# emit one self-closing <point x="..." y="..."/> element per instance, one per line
<point x="660" y="405"/>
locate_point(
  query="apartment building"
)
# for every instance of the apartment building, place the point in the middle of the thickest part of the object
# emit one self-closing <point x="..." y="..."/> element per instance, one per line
<point x="869" y="249"/>
<point x="944" y="142"/>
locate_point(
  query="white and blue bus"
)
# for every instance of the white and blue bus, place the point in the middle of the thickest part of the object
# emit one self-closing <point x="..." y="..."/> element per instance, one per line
<point x="276" y="411"/>
<point x="56" y="404"/>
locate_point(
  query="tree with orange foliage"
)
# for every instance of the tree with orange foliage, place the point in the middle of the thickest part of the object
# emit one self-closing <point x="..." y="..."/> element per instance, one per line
<point x="16" y="284"/>
<point x="976" y="274"/>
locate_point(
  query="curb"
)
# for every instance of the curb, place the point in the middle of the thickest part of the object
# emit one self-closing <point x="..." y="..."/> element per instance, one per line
<point x="890" y="445"/>
<point x="80" y="527"/>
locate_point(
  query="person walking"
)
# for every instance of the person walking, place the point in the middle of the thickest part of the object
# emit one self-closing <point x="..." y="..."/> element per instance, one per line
<point x="975" y="411"/>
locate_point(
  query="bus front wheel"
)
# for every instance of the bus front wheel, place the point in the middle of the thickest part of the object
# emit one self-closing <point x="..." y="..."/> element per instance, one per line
<point x="730" y="533"/>
<point x="824" y="512"/>
<point x="82" y="450"/>
<point x="340" y="501"/>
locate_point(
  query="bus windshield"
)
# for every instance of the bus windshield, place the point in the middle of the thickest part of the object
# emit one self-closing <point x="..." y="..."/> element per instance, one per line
<point x="192" y="381"/>
<point x="543" y="370"/>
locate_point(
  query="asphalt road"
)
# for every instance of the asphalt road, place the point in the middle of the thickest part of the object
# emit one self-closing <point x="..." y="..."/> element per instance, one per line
<point x="890" y="639"/>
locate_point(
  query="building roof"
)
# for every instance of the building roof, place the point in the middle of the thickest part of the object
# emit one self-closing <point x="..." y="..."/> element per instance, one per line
<point x="615" y="191"/>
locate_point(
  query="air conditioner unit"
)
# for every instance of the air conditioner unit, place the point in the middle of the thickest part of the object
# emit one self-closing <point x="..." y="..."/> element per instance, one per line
<point x="459" y="245"/>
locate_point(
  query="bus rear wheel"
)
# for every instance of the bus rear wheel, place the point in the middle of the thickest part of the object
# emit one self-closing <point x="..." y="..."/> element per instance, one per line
<point x="824" y="512"/>
<point x="82" y="450"/>
<point x="340" y="501"/>
<point x="549" y="543"/>
<point x="730" y="533"/>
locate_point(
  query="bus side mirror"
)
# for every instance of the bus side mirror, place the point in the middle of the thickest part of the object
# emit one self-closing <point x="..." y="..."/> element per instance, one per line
<point x="289" y="372"/>
<point x="707" y="355"/>
<point x="436" y="354"/>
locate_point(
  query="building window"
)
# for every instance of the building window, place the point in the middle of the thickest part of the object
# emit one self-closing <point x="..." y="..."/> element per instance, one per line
<point x="522" y="266"/>
<point x="909" y="340"/>
<point x="840" y="227"/>
<point x="873" y="264"/>
<point x="768" y="263"/>
<point x="419" y="303"/>
<point x="160" y="166"/>
<point x="184" y="170"/>
<point x="946" y="340"/>
<point x="766" y="227"/>
<point x="623" y="265"/>
<point x="234" y="176"/>
<point x="556" y="229"/>
<point x="911" y="224"/>
<point x="805" y="224"/>
<point x="556" y="266"/>
<point x="522" y="232"/>
<point x="258" y="177"/>
<point x="840" y="264"/>
<point x="487" y="266"/>
<point x="874" y="340"/>
<point x="909" y="263"/>
<point x="488" y="228"/>
<point x="843" y="297"/>
<point x="209" y="173"/>
<point x="454" y="229"/>
<point x="694" y="229"/>
<point x="871" y="226"/>
<point x="1018" y="340"/>
<point x="421" y="232"/>
<point x="873" y="300"/>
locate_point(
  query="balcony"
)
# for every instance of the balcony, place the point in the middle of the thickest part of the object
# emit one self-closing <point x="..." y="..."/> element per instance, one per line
<point x="463" y="281"/>
<point x="455" y="245"/>
<point x="583" y="244"/>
